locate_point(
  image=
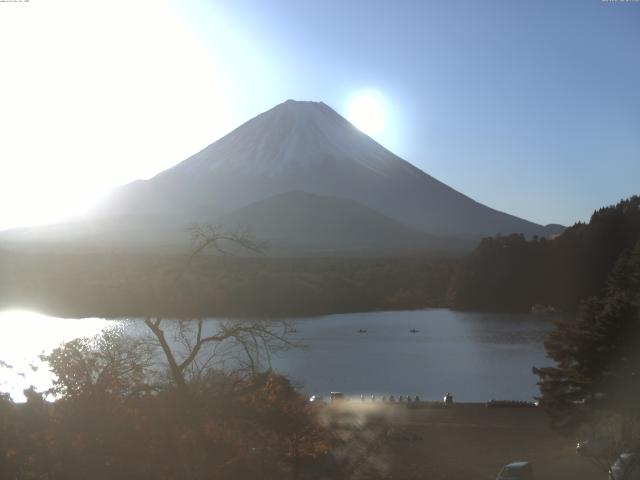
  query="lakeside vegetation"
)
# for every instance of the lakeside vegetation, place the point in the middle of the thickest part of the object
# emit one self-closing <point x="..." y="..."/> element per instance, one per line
<point x="120" y="414"/>
<point x="128" y="285"/>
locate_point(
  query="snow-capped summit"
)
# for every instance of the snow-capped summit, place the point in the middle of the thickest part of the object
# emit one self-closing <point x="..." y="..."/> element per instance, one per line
<point x="308" y="147"/>
<point x="294" y="134"/>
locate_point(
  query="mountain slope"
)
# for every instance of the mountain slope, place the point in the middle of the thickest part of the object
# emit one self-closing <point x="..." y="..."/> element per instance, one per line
<point x="303" y="222"/>
<point x="307" y="146"/>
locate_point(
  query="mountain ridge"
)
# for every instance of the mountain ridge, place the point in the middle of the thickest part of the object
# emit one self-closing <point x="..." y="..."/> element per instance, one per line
<point x="307" y="146"/>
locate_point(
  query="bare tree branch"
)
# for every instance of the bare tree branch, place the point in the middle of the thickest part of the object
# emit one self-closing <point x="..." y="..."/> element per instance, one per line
<point x="255" y="339"/>
<point x="207" y="236"/>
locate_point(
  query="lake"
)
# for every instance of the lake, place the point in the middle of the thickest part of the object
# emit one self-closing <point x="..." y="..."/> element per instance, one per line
<point x="475" y="356"/>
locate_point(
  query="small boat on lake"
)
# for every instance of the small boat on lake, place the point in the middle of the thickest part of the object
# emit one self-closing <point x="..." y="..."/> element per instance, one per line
<point x="413" y="330"/>
<point x="362" y="330"/>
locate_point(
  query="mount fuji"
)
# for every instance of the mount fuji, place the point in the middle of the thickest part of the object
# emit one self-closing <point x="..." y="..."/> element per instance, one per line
<point x="301" y="174"/>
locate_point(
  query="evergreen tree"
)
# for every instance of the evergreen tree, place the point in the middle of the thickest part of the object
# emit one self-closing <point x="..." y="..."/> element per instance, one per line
<point x="598" y="359"/>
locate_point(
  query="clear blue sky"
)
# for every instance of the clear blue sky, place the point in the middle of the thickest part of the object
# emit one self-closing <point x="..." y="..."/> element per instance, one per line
<point x="532" y="107"/>
<point x="528" y="106"/>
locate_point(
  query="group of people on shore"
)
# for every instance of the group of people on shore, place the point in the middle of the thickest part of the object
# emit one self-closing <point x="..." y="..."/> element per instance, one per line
<point x="392" y="399"/>
<point x="447" y="399"/>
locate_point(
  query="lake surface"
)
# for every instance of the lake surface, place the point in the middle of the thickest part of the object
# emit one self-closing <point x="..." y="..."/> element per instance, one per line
<point x="475" y="356"/>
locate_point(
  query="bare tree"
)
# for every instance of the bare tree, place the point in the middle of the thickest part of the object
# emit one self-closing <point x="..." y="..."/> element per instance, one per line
<point x="226" y="243"/>
<point x="247" y="344"/>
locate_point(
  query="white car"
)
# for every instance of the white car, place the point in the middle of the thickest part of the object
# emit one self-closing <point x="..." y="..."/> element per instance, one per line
<point x="516" y="471"/>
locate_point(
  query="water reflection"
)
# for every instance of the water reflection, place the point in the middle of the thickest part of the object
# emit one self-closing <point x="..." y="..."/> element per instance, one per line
<point x="25" y="336"/>
<point x="476" y="356"/>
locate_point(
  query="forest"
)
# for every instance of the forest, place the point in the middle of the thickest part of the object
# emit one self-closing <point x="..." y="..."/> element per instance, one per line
<point x="512" y="273"/>
<point x="592" y="390"/>
<point x="115" y="285"/>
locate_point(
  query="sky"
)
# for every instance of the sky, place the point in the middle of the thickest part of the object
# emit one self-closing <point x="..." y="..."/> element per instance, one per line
<point x="530" y="107"/>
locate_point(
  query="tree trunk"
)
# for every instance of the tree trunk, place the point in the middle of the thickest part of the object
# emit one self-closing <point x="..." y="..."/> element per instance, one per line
<point x="176" y="372"/>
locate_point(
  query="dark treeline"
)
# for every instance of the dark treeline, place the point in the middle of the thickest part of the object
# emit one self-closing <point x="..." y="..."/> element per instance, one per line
<point x="121" y="285"/>
<point x="512" y="273"/>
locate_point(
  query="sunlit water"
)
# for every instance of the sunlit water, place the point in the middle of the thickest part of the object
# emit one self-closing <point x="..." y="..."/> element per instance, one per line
<point x="475" y="356"/>
<point x="25" y="336"/>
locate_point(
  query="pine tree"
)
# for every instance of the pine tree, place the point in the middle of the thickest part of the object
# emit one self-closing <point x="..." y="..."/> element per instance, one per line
<point x="598" y="356"/>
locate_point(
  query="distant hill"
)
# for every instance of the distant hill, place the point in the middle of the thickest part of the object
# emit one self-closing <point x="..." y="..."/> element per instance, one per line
<point x="304" y="222"/>
<point x="511" y="273"/>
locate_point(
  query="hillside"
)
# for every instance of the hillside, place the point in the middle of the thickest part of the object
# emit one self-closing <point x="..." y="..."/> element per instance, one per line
<point x="308" y="147"/>
<point x="511" y="273"/>
<point x="308" y="223"/>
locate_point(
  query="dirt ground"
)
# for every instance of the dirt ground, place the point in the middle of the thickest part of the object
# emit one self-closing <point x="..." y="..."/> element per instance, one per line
<point x="463" y="441"/>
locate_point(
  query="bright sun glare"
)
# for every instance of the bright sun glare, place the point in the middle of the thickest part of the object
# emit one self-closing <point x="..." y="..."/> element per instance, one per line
<point x="91" y="101"/>
<point x="366" y="111"/>
<point x="30" y="335"/>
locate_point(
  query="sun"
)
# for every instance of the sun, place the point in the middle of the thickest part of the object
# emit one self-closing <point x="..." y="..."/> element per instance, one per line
<point x="366" y="111"/>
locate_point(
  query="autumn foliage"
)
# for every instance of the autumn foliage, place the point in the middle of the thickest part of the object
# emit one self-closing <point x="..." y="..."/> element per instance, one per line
<point x="113" y="419"/>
